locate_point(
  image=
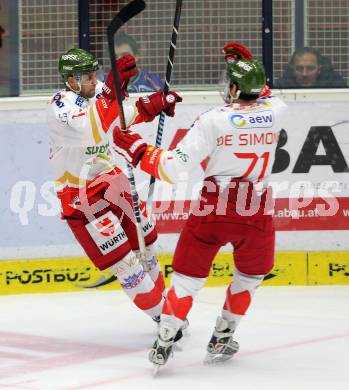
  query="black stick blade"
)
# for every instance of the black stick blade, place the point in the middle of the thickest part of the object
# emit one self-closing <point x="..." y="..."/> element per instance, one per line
<point x="129" y="11"/>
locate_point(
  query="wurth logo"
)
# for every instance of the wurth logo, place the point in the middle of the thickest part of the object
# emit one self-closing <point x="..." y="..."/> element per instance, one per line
<point x="113" y="242"/>
<point x="107" y="232"/>
<point x="105" y="227"/>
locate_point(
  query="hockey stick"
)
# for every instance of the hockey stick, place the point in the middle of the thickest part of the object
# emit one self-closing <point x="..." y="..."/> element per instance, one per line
<point x="125" y="14"/>
<point x="169" y="69"/>
<point x="129" y="11"/>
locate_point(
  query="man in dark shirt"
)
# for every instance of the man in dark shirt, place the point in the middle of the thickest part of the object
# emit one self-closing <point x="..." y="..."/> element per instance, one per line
<point x="2" y="32"/>
<point x="309" y="69"/>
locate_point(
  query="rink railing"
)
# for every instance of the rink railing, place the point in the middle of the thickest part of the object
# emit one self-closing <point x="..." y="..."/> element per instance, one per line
<point x="194" y="97"/>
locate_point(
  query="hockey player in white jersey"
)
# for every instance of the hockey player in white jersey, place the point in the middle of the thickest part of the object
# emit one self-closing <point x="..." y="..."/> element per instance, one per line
<point x="235" y="205"/>
<point x="94" y="192"/>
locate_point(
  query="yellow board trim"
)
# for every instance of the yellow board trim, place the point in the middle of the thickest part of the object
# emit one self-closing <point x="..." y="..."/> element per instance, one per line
<point x="332" y="267"/>
<point x="79" y="274"/>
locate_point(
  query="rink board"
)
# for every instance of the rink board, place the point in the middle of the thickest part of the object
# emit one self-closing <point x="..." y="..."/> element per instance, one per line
<point x="78" y="274"/>
<point x="311" y="173"/>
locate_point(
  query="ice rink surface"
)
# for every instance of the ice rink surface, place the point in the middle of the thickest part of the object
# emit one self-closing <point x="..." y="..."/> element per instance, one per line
<point x="293" y="338"/>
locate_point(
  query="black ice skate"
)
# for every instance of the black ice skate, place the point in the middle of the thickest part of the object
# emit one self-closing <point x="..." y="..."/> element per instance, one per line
<point x="156" y="319"/>
<point x="163" y="345"/>
<point x="222" y="346"/>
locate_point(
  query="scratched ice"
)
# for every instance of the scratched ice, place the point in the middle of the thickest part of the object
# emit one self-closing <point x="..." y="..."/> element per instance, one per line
<point x="293" y="338"/>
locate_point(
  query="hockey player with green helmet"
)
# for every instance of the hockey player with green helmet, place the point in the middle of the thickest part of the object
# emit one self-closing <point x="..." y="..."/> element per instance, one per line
<point x="93" y="190"/>
<point x="239" y="139"/>
<point x="77" y="67"/>
<point x="233" y="52"/>
<point x="249" y="78"/>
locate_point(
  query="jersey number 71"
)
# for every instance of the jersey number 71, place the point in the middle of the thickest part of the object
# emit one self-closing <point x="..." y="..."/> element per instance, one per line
<point x="254" y="159"/>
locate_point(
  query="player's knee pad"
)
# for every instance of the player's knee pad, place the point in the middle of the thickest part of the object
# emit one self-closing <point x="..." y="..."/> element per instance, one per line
<point x="186" y="285"/>
<point x="243" y="282"/>
<point x="128" y="270"/>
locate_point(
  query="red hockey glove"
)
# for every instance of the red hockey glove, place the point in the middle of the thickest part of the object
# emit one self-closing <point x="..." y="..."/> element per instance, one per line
<point x="130" y="145"/>
<point x="266" y="91"/>
<point x="234" y="51"/>
<point x="151" y="105"/>
<point x="126" y="66"/>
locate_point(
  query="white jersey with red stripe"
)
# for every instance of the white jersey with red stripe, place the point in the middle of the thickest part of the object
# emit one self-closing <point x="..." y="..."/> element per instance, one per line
<point x="80" y="140"/>
<point x="239" y="139"/>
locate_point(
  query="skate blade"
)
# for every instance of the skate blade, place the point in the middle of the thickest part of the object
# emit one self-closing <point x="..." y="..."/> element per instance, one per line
<point x="212" y="358"/>
<point x="156" y="368"/>
<point x="177" y="346"/>
<point x="185" y="327"/>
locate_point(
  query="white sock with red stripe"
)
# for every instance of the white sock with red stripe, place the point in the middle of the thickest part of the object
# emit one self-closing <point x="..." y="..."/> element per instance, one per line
<point x="138" y="285"/>
<point x="239" y="295"/>
<point x="179" y="299"/>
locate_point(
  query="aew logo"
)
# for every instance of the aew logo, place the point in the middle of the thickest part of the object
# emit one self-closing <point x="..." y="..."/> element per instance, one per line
<point x="257" y="120"/>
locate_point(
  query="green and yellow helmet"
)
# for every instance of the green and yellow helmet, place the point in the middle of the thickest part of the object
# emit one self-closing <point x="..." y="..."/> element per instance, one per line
<point x="76" y="62"/>
<point x="249" y="75"/>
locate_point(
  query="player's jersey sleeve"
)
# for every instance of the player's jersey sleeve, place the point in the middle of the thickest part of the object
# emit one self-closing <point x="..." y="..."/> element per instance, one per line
<point x="72" y="122"/>
<point x="80" y="141"/>
<point x="169" y="165"/>
<point x="68" y="121"/>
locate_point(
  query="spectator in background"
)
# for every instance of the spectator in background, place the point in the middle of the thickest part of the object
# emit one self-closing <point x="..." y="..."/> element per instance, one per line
<point x="2" y="33"/>
<point x="309" y="69"/>
<point x="143" y="81"/>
